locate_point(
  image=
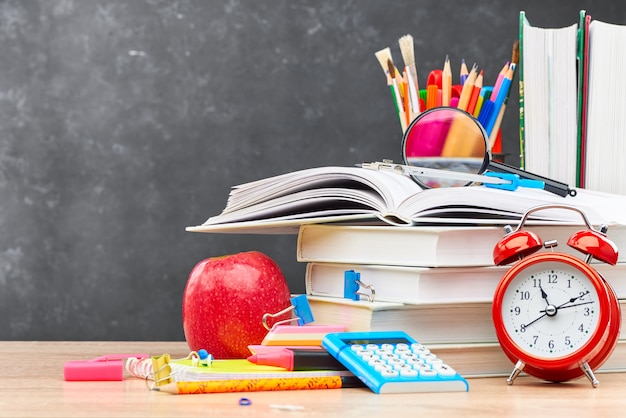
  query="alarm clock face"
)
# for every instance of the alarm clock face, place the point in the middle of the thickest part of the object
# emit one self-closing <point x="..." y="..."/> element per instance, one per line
<point x="550" y="309"/>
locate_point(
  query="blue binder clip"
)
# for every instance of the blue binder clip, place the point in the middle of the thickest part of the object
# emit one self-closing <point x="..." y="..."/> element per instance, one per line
<point x="351" y="285"/>
<point x="301" y="311"/>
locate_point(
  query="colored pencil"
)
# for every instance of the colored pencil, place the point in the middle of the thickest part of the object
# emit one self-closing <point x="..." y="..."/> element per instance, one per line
<point x="467" y="88"/>
<point x="446" y="83"/>
<point x="262" y="384"/>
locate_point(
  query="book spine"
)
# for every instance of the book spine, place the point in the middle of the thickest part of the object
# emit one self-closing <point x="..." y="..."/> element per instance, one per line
<point x="522" y="22"/>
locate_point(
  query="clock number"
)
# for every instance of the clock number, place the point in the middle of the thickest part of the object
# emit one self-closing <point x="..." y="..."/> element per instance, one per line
<point x="582" y="295"/>
<point x="535" y="338"/>
<point x="552" y="278"/>
<point x="517" y="310"/>
<point x="587" y="311"/>
<point x="525" y="295"/>
<point x="551" y="344"/>
<point x="581" y="328"/>
<point x="568" y="341"/>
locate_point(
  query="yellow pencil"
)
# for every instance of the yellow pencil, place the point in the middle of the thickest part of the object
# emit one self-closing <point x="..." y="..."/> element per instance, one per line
<point x="258" y="385"/>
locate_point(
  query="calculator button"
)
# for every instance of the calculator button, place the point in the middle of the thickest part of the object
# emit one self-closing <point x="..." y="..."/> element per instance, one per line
<point x="408" y="373"/>
<point x="445" y="370"/>
<point x="395" y="361"/>
<point x="375" y="362"/>
<point x="382" y="367"/>
<point x="419" y="348"/>
<point x="428" y="373"/>
<point x="389" y="373"/>
<point x="402" y="347"/>
<point x="386" y="347"/>
<point x="357" y="348"/>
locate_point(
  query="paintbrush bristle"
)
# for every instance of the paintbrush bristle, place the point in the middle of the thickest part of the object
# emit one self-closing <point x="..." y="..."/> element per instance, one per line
<point x="383" y="56"/>
<point x="407" y="50"/>
<point x="391" y="68"/>
<point x="515" y="53"/>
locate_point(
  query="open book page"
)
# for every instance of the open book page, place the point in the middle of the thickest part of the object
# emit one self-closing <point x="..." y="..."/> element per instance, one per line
<point x="346" y="194"/>
<point x="493" y="204"/>
<point x="316" y="192"/>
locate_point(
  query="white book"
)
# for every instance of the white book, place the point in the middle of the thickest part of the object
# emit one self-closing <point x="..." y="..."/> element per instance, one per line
<point x="418" y="285"/>
<point x="435" y="246"/>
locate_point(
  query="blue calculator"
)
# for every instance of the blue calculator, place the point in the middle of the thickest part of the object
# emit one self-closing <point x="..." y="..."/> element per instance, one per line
<point x="393" y="362"/>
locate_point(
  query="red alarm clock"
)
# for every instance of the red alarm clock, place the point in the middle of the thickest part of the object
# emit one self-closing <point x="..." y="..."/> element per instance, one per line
<point x="555" y="316"/>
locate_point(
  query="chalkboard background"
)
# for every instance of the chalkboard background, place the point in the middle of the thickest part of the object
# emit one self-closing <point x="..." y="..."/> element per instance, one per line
<point x="123" y="122"/>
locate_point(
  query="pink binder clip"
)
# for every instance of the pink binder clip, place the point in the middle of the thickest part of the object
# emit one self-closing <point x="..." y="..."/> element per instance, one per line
<point x="108" y="367"/>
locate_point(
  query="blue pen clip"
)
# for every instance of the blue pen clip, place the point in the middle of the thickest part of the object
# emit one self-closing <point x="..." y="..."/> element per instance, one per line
<point x="301" y="310"/>
<point x="351" y="285"/>
<point x="515" y="181"/>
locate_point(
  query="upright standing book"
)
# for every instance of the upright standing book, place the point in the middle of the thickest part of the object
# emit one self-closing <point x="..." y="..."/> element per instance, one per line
<point x="572" y="102"/>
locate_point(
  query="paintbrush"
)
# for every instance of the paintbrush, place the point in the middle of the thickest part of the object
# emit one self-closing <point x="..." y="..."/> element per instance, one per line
<point x="408" y="55"/>
<point x="386" y="62"/>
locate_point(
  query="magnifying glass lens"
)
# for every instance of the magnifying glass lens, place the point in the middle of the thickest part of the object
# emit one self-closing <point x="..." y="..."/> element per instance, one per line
<point x="446" y="138"/>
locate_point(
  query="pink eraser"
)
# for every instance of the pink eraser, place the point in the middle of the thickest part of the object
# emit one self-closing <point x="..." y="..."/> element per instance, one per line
<point x="109" y="367"/>
<point x="94" y="370"/>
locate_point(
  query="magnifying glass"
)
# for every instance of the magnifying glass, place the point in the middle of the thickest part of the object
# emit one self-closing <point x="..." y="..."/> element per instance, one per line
<point x="451" y="140"/>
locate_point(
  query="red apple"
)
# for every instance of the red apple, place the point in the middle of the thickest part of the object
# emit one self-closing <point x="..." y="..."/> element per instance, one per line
<point x="225" y="300"/>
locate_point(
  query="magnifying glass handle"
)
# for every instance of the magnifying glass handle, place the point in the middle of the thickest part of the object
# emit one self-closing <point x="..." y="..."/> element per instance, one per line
<point x="550" y="185"/>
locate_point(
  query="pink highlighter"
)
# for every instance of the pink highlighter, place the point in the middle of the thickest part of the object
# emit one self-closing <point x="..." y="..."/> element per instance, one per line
<point x="108" y="367"/>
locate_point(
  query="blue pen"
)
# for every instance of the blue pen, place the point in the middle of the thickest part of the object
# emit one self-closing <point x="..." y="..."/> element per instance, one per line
<point x="497" y="105"/>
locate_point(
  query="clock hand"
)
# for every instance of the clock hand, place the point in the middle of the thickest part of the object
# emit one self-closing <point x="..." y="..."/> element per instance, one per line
<point x="572" y="300"/>
<point x="544" y="295"/>
<point x="576" y="304"/>
<point x="534" y="320"/>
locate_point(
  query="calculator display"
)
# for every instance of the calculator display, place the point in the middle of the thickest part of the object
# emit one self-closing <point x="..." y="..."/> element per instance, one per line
<point x="377" y="341"/>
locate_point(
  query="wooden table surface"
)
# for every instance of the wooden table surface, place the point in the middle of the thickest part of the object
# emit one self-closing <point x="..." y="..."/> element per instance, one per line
<point x="34" y="387"/>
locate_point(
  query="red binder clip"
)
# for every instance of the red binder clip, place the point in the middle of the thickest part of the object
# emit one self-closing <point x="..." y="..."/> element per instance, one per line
<point x="108" y="367"/>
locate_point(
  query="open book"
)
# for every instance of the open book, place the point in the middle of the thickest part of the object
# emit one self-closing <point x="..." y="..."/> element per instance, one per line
<point x="361" y="195"/>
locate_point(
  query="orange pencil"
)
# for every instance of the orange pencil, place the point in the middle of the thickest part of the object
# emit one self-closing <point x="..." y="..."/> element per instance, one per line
<point x="258" y="385"/>
<point x="446" y="83"/>
<point x="468" y="87"/>
<point x="478" y="85"/>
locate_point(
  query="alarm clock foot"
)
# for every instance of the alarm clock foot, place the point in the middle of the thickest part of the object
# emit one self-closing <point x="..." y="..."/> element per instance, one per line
<point x="519" y="366"/>
<point x="589" y="373"/>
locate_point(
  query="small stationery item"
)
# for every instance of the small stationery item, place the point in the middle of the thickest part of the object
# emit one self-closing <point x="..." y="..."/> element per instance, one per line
<point x="297" y="359"/>
<point x="261" y="384"/>
<point x="555" y="316"/>
<point x="294" y="335"/>
<point x="352" y="284"/>
<point x="301" y="313"/>
<point x="107" y="367"/>
<point x="393" y="362"/>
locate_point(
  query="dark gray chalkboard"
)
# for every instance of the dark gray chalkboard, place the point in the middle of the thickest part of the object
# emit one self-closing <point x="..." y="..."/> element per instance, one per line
<point x="123" y="122"/>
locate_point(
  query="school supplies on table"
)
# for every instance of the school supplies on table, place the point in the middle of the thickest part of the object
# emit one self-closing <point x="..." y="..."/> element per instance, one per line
<point x="393" y="362"/>
<point x="297" y="359"/>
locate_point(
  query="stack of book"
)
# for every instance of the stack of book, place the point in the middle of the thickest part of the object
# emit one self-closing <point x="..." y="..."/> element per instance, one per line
<point x="427" y="254"/>
<point x="435" y="283"/>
